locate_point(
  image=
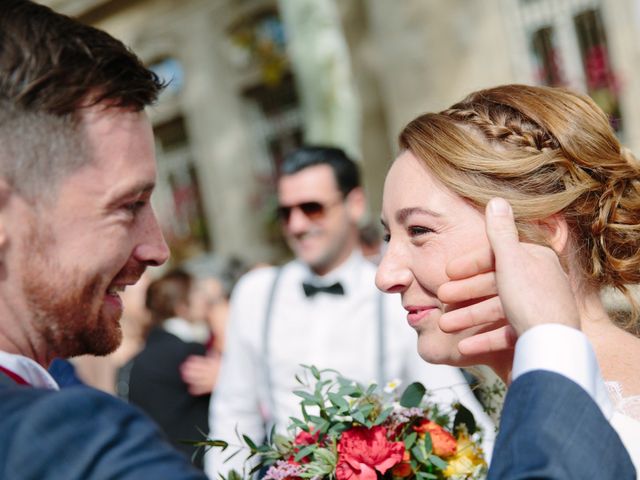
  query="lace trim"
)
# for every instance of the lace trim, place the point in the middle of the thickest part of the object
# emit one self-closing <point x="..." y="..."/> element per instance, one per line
<point x="629" y="406"/>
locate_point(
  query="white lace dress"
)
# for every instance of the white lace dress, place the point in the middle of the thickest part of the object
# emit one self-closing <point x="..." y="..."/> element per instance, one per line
<point x="626" y="420"/>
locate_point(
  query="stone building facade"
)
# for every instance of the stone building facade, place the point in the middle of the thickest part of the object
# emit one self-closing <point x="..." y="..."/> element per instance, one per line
<point x="252" y="79"/>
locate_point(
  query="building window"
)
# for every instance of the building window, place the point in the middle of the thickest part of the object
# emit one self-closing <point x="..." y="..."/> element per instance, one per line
<point x="184" y="222"/>
<point x="567" y="46"/>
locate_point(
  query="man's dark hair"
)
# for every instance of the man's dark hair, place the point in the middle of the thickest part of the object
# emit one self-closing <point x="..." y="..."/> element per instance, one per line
<point x="344" y="169"/>
<point x="51" y="68"/>
<point x="52" y="63"/>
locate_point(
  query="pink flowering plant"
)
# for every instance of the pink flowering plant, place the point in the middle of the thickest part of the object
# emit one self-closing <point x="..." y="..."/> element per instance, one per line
<point x="351" y="432"/>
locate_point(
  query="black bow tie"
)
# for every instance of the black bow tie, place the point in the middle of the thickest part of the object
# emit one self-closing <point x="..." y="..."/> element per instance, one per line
<point x="311" y="289"/>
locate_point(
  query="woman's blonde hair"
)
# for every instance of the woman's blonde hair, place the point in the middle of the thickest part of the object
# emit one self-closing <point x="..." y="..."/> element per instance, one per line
<point x="547" y="151"/>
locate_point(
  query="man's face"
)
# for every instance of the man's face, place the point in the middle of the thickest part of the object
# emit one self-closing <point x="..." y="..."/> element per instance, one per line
<point x="74" y="254"/>
<point x="318" y="223"/>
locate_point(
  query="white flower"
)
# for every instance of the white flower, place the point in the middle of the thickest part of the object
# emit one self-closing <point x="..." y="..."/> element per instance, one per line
<point x="392" y="385"/>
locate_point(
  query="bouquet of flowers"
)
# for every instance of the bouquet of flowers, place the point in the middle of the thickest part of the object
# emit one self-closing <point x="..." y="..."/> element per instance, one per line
<point x="351" y="432"/>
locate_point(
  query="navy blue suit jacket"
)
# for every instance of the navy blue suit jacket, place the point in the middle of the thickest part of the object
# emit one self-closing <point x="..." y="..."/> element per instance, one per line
<point x="552" y="429"/>
<point x="79" y="433"/>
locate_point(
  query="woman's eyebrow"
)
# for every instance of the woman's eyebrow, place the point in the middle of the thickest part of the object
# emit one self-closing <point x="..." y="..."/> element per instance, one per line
<point x="402" y="215"/>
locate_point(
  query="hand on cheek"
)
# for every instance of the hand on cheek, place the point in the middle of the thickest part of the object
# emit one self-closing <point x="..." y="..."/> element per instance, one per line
<point x="503" y="291"/>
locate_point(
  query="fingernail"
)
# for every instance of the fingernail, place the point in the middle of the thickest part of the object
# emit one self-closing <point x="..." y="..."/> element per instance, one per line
<point x="499" y="206"/>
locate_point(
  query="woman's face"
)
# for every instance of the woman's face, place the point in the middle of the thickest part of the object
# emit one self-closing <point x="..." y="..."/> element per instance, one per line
<point x="427" y="225"/>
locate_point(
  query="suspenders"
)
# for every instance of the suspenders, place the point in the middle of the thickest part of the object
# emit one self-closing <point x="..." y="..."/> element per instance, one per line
<point x="266" y="332"/>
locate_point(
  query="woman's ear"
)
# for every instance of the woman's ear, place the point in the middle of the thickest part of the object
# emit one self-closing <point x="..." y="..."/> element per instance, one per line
<point x="555" y="231"/>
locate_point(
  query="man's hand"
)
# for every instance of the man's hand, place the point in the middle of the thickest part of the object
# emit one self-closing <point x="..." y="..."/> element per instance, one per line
<point x="520" y="282"/>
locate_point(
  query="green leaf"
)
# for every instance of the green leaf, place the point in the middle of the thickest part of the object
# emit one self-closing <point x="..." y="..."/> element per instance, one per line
<point x="438" y="462"/>
<point x="234" y="475"/>
<point x="428" y="444"/>
<point x="207" y="443"/>
<point x="315" y="372"/>
<point x="306" y="396"/>
<point x="300" y="424"/>
<point x="249" y="442"/>
<point x="425" y="476"/>
<point x="338" y="401"/>
<point x="359" y="417"/>
<point x="412" y="396"/>
<point x="372" y="388"/>
<point x="409" y="440"/>
<point x="304" y="452"/>
<point x="383" y="415"/>
<point x="464" y="416"/>
<point x="418" y="454"/>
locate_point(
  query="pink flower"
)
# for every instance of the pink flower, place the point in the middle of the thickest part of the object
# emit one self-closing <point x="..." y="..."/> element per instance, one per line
<point x="362" y="451"/>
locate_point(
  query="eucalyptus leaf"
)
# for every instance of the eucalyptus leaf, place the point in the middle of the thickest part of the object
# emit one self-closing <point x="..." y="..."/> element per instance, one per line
<point x="383" y="415"/>
<point x="338" y="401"/>
<point x="304" y="452"/>
<point x="409" y="440"/>
<point x="438" y="462"/>
<point x="425" y="476"/>
<point x="412" y="395"/>
<point x="315" y="372"/>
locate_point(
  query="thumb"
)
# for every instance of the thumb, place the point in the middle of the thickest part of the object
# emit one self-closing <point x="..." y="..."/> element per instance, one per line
<point x="501" y="228"/>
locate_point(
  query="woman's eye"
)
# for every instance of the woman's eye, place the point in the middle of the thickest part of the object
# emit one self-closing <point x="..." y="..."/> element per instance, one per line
<point x="415" y="231"/>
<point x="386" y="237"/>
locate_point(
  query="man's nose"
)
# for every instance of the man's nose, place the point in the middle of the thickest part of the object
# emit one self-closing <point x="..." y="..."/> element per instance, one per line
<point x="297" y="221"/>
<point x="152" y="250"/>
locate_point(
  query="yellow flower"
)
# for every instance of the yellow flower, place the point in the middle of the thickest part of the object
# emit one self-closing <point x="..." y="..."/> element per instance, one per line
<point x="467" y="459"/>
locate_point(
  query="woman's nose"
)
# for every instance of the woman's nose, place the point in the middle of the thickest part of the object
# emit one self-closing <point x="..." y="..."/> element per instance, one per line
<point x="393" y="275"/>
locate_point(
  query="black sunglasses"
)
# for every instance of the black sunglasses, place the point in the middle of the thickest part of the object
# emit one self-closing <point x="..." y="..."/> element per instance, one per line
<point x="311" y="210"/>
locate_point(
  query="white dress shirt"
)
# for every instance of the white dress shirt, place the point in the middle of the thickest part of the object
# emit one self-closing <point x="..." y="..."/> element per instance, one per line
<point x="29" y="370"/>
<point x="326" y="330"/>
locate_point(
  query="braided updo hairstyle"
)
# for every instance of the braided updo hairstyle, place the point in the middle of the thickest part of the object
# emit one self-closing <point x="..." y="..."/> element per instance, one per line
<point x="547" y="151"/>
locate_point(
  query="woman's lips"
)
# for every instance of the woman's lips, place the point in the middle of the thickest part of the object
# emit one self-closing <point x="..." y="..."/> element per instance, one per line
<point x="416" y="314"/>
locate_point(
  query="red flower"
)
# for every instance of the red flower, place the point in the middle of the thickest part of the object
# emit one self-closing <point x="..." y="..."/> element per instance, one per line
<point x="362" y="451"/>
<point x="303" y="439"/>
<point x="444" y="444"/>
<point x="306" y="438"/>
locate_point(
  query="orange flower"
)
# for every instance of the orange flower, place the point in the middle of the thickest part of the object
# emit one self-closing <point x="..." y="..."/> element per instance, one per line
<point x="403" y="469"/>
<point x="444" y="444"/>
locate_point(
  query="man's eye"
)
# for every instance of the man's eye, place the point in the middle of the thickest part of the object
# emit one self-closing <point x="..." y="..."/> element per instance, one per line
<point x="135" y="206"/>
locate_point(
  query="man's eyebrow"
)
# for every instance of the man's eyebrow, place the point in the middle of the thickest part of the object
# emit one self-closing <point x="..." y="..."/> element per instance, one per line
<point x="133" y="190"/>
<point x="401" y="215"/>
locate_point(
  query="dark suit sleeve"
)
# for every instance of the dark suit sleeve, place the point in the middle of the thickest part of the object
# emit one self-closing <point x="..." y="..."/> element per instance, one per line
<point x="552" y="429"/>
<point x="82" y="434"/>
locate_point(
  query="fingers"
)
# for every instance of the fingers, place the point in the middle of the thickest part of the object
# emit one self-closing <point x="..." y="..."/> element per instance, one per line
<point x="501" y="229"/>
<point x="476" y="287"/>
<point x="481" y="313"/>
<point x="472" y="263"/>
<point x="493" y="341"/>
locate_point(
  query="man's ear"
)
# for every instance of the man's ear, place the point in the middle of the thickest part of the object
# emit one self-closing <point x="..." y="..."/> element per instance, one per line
<point x="5" y="192"/>
<point x="356" y="204"/>
<point x="555" y="231"/>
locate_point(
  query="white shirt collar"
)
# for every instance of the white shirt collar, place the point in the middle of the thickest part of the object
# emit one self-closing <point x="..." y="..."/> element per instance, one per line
<point x="186" y="331"/>
<point x="28" y="369"/>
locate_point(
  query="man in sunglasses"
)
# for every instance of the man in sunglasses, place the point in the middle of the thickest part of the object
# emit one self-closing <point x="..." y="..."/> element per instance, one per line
<point x="320" y="309"/>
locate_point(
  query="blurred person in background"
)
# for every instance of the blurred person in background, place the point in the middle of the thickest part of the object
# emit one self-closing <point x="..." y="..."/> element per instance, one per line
<point x="210" y="300"/>
<point x="155" y="382"/>
<point x="321" y="309"/>
<point x="371" y="242"/>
